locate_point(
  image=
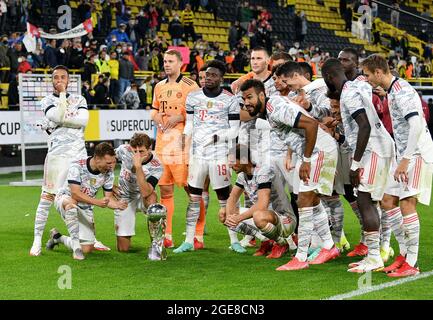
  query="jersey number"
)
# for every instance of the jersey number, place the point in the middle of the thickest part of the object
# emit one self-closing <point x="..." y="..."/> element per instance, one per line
<point x="222" y="170"/>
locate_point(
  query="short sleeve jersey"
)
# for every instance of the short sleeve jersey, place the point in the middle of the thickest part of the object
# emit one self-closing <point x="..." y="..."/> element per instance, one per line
<point x="356" y="98"/>
<point x="404" y="103"/>
<point x="128" y="184"/>
<point x="80" y="173"/>
<point x="211" y="115"/>
<point x="169" y="98"/>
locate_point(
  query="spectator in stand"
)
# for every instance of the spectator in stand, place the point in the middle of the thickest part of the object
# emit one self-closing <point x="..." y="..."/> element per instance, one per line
<point x="156" y="60"/>
<point x="404" y="45"/>
<point x="50" y="54"/>
<point x="235" y="34"/>
<point x="114" y="77"/>
<point x="101" y="98"/>
<point x="143" y="26"/>
<point x="242" y="47"/>
<point x="153" y="24"/>
<point x="64" y="52"/>
<point x="343" y="7"/>
<point x="13" y="54"/>
<point x="187" y="20"/>
<point x="86" y="92"/>
<point x="245" y="15"/>
<point x="126" y="73"/>
<point x="76" y="58"/>
<point x="90" y="68"/>
<point x="265" y="16"/>
<point x="175" y="29"/>
<point x="83" y="10"/>
<point x="142" y="58"/>
<point x="102" y="62"/>
<point x="229" y="61"/>
<point x="4" y="58"/>
<point x="395" y="15"/>
<point x="298" y="27"/>
<point x="142" y="94"/>
<point x="23" y="66"/>
<point x="213" y="7"/>
<point x="120" y="34"/>
<point x="3" y="15"/>
<point x="252" y="29"/>
<point x="106" y="17"/>
<point x="195" y="4"/>
<point x="130" y="99"/>
<point x="348" y="18"/>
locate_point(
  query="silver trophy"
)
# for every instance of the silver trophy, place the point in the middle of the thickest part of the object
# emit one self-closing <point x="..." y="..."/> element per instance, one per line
<point x="156" y="223"/>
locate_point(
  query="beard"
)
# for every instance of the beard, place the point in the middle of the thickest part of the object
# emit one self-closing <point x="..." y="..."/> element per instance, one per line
<point x="257" y="109"/>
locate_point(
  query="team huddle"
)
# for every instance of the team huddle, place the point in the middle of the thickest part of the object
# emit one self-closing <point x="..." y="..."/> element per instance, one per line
<point x="296" y="146"/>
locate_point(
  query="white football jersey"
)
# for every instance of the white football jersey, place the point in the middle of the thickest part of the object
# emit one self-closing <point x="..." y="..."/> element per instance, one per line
<point x="211" y="116"/>
<point x="128" y="185"/>
<point x="404" y="102"/>
<point x="80" y="173"/>
<point x="63" y="141"/>
<point x="283" y="115"/>
<point x="356" y="97"/>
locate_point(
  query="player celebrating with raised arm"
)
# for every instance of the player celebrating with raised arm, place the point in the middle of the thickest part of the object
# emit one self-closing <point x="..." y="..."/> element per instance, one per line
<point x="66" y="117"/>
<point x="412" y="176"/>
<point x="139" y="175"/>
<point x="316" y="172"/>
<point x="76" y="199"/>
<point x="269" y="211"/>
<point x="372" y="155"/>
<point x="169" y="115"/>
<point x="213" y="123"/>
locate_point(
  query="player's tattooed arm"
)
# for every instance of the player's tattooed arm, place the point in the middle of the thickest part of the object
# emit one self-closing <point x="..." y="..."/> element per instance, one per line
<point x="146" y="189"/>
<point x="262" y="204"/>
<point x="361" y="144"/>
<point x="233" y="200"/>
<point x="79" y="196"/>
<point x="113" y="203"/>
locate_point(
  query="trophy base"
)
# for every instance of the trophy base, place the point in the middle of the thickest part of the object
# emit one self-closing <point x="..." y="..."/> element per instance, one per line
<point x="157" y="254"/>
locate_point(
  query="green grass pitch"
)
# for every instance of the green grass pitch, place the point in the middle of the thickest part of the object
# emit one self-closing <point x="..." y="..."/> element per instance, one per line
<point x="212" y="273"/>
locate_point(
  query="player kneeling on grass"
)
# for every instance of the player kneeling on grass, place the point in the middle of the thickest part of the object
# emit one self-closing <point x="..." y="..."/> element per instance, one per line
<point x="139" y="175"/>
<point x="76" y="199"/>
<point x="274" y="225"/>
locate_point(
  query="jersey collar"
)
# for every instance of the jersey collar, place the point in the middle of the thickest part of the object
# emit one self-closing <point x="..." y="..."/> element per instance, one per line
<point x="148" y="160"/>
<point x="57" y="95"/>
<point x="179" y="78"/>
<point x="209" y="94"/>
<point x="90" y="168"/>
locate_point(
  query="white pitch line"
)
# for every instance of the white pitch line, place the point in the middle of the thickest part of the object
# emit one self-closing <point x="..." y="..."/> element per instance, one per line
<point x="378" y="287"/>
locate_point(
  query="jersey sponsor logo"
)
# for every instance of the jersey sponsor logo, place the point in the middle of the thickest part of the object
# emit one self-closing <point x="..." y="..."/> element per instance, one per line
<point x="155" y="163"/>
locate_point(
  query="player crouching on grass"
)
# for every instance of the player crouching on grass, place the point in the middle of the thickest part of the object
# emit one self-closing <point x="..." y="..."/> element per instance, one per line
<point x="268" y="218"/>
<point x="139" y="175"/>
<point x="76" y="199"/>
